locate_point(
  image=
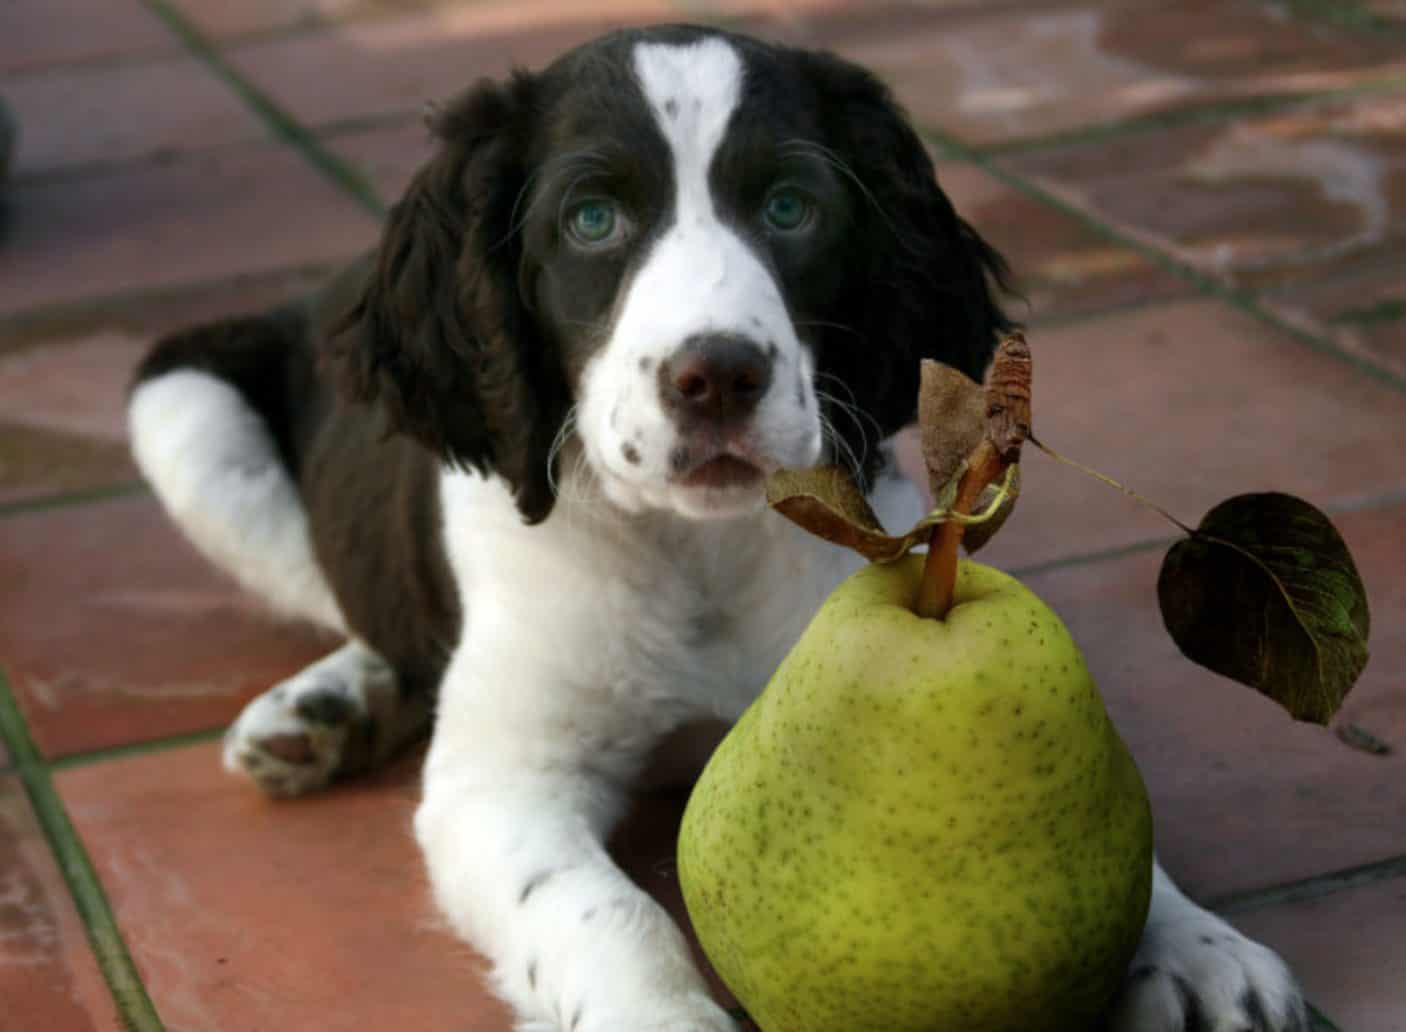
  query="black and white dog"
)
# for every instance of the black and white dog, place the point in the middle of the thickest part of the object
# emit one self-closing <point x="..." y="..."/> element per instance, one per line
<point x="515" y="458"/>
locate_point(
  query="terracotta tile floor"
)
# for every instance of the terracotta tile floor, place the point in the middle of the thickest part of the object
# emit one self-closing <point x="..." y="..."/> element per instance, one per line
<point x="1204" y="204"/>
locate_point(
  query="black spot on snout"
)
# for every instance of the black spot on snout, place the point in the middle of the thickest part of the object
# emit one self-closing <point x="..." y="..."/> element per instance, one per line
<point x="671" y="108"/>
<point x="631" y="453"/>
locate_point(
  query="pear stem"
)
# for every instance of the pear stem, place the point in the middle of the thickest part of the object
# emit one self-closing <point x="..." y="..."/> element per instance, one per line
<point x="1146" y="503"/>
<point x="1007" y="391"/>
<point x="938" y="587"/>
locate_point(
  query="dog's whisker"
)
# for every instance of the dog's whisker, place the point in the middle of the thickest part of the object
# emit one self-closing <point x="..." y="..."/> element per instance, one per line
<point x="584" y="492"/>
<point x="564" y="433"/>
<point x="853" y="408"/>
<point x="853" y="412"/>
<point x="801" y="323"/>
<point x="840" y="448"/>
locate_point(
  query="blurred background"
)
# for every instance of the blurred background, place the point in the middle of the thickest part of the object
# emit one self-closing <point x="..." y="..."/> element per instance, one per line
<point x="1204" y="203"/>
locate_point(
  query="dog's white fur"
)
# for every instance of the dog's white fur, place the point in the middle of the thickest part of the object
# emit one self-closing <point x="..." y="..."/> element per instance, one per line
<point x="212" y="461"/>
<point x="591" y="636"/>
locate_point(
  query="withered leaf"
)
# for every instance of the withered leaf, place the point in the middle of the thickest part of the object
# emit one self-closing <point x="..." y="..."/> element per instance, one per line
<point x="952" y="422"/>
<point x="1008" y="387"/>
<point x="1265" y="592"/>
<point x="826" y="501"/>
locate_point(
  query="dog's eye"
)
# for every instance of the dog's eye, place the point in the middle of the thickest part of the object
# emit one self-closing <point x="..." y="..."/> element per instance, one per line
<point x="787" y="209"/>
<point x="594" y="222"/>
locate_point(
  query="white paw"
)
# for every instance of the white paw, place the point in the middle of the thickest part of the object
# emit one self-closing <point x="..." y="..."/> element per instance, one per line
<point x="698" y="1014"/>
<point x="695" y="1013"/>
<point x="1198" y="974"/>
<point x="322" y="722"/>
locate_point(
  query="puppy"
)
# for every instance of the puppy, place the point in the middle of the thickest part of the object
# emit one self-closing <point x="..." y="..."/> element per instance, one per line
<point x="515" y="458"/>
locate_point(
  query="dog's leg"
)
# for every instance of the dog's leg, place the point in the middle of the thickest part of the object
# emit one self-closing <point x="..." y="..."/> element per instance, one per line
<point x="342" y="715"/>
<point x="211" y="458"/>
<point x="1194" y="971"/>
<point x="518" y="865"/>
<point x="519" y="799"/>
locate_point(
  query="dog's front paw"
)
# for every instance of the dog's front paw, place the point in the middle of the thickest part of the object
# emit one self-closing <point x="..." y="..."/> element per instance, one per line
<point x="1198" y="974"/>
<point x="322" y="722"/>
<point x="692" y="1013"/>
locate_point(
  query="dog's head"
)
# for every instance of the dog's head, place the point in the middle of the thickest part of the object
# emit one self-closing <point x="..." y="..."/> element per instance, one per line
<point x="705" y="256"/>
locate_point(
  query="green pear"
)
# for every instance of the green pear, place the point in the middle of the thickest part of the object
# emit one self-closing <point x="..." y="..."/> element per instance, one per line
<point x="922" y="824"/>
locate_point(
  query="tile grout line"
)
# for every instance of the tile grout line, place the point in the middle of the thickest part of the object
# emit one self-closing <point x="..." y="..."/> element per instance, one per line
<point x="1241" y="299"/>
<point x="1351" y="15"/>
<point x="283" y="124"/>
<point x="320" y="132"/>
<point x="1093" y="558"/>
<point x="20" y="326"/>
<point x="304" y="25"/>
<point x="70" y="499"/>
<point x="134" y="1005"/>
<point x="1340" y="507"/>
<point x="1314" y="887"/>
<point x="142" y="748"/>
<point x="1213" y="114"/>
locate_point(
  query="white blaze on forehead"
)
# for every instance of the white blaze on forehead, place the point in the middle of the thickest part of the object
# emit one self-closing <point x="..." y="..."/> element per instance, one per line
<point x="699" y="276"/>
<point x="693" y="91"/>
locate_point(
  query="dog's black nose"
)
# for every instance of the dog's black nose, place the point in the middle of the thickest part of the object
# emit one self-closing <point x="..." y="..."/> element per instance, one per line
<point x="719" y="377"/>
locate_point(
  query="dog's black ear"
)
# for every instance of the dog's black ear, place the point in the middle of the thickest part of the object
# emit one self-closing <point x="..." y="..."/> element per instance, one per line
<point x="928" y="285"/>
<point x="439" y="338"/>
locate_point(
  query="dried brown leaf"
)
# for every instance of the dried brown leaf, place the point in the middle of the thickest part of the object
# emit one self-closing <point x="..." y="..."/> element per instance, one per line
<point x="1008" y="387"/>
<point x="827" y="502"/>
<point x="952" y="421"/>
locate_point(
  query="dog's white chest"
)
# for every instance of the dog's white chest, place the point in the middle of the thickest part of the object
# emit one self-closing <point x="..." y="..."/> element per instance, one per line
<point x="744" y="592"/>
<point x="657" y="616"/>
